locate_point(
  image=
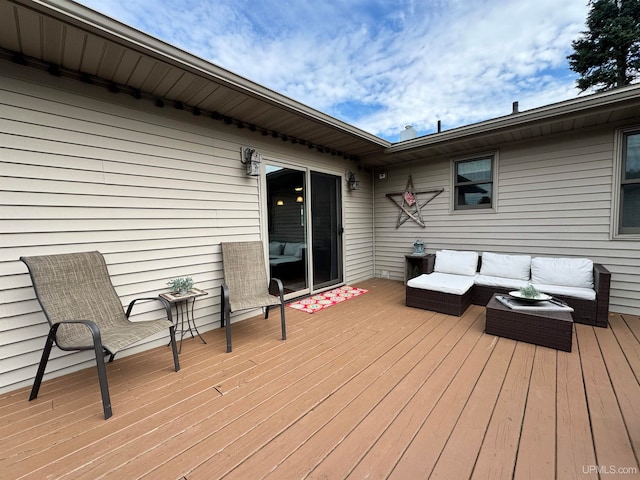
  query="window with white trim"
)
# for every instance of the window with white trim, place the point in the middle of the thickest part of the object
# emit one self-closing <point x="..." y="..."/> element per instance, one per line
<point x="473" y="183"/>
<point x="629" y="206"/>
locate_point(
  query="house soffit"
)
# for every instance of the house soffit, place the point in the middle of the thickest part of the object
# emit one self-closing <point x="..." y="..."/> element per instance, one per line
<point x="67" y="38"/>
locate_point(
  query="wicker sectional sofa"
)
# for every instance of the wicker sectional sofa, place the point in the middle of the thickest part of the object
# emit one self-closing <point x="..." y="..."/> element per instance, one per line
<point x="555" y="276"/>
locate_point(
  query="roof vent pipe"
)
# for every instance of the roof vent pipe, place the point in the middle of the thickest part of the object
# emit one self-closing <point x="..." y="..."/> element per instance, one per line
<point x="408" y="133"/>
<point x="439" y="126"/>
<point x="515" y="107"/>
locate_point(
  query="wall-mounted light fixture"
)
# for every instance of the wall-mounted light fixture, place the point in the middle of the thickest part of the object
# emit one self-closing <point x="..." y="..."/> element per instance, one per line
<point x="352" y="182"/>
<point x="251" y="159"/>
<point x="299" y="199"/>
<point x="280" y="203"/>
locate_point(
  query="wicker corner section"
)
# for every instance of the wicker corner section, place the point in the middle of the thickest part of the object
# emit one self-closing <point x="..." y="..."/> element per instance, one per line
<point x="548" y="329"/>
<point x="590" y="312"/>
<point x="437" y="301"/>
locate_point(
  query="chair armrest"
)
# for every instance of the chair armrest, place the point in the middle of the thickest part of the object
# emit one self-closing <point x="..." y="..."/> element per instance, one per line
<point x="431" y="262"/>
<point x="165" y="304"/>
<point x="224" y="294"/>
<point x="602" y="286"/>
<point x="601" y="278"/>
<point x="276" y="288"/>
<point x="90" y="324"/>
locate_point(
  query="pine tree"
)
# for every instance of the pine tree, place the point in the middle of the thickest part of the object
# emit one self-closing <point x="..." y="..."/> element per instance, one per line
<point x="607" y="55"/>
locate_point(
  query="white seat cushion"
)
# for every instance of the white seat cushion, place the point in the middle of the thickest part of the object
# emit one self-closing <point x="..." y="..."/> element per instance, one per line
<point x="442" y="282"/>
<point x="502" y="282"/>
<point x="567" y="272"/>
<point x="281" y="259"/>
<point x="456" y="262"/>
<point x="575" y="292"/>
<point x="508" y="266"/>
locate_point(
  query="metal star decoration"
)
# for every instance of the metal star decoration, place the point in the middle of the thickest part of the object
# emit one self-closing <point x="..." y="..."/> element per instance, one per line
<point x="410" y="206"/>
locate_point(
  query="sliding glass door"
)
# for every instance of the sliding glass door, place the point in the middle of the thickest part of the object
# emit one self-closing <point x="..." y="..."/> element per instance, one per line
<point x="304" y="213"/>
<point x="286" y="211"/>
<point x="326" y="219"/>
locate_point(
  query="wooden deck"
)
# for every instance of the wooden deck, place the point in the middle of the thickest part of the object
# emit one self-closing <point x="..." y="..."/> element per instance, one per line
<point x="368" y="388"/>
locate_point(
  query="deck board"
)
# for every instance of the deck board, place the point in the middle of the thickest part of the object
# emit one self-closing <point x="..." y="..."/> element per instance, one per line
<point x="424" y="449"/>
<point x="624" y="383"/>
<point x="536" y="452"/>
<point x="368" y="388"/>
<point x="497" y="454"/>
<point x="382" y="457"/>
<point x="575" y="450"/>
<point x="611" y="439"/>
<point x="459" y="455"/>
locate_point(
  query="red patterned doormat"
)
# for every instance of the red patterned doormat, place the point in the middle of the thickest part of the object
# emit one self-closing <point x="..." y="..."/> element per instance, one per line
<point x="326" y="299"/>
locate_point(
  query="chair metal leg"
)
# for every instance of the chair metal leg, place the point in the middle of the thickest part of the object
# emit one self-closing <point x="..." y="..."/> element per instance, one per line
<point x="280" y="289"/>
<point x="282" y="321"/>
<point x="228" y="329"/>
<point x="223" y="303"/>
<point x="102" y="370"/>
<point x="102" y="377"/>
<point x="225" y="314"/>
<point x="43" y="361"/>
<point x="174" y="347"/>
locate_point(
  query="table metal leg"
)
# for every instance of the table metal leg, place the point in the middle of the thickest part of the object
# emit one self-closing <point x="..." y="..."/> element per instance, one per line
<point x="182" y="311"/>
<point x="193" y="319"/>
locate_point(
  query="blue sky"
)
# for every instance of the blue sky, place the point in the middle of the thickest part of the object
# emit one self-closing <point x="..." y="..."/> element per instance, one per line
<point x="377" y="64"/>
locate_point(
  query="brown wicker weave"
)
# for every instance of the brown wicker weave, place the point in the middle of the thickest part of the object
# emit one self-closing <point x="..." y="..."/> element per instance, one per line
<point x="245" y="284"/>
<point x="548" y="329"/>
<point x="448" y="303"/>
<point x="85" y="313"/>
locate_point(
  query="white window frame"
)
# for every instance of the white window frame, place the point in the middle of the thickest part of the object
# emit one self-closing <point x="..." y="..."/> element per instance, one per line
<point x="618" y="162"/>
<point x="475" y="209"/>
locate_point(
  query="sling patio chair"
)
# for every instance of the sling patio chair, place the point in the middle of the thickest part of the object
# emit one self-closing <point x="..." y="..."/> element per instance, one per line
<point x="85" y="313"/>
<point x="245" y="284"/>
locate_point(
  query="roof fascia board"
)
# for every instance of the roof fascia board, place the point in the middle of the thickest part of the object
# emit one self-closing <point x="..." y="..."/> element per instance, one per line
<point x="576" y="106"/>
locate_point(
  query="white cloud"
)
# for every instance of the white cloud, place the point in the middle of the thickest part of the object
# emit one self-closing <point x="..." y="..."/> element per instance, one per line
<point x="376" y="64"/>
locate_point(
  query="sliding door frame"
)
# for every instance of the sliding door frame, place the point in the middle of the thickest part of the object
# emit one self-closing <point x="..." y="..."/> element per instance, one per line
<point x="264" y="220"/>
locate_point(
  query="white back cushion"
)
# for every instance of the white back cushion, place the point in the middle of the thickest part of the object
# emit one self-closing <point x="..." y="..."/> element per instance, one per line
<point x="568" y="272"/>
<point x="456" y="262"/>
<point x="293" y="249"/>
<point x="275" y="248"/>
<point x="507" y="266"/>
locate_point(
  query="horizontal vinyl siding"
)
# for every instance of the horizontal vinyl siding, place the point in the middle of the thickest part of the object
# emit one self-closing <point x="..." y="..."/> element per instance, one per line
<point x="553" y="197"/>
<point x="358" y="230"/>
<point x="155" y="190"/>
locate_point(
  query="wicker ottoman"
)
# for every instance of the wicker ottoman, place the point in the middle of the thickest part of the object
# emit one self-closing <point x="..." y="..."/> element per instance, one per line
<point x="548" y="329"/>
<point x="440" y="292"/>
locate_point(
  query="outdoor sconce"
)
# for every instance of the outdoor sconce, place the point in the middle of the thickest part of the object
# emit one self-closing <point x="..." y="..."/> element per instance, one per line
<point x="352" y="182"/>
<point x="251" y="159"/>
